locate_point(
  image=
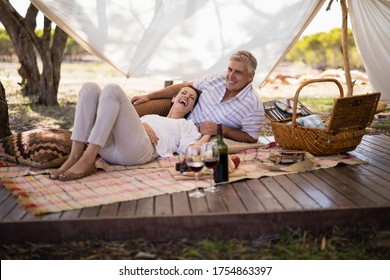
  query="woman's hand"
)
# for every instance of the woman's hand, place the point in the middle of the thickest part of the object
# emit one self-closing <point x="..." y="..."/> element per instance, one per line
<point x="152" y="135"/>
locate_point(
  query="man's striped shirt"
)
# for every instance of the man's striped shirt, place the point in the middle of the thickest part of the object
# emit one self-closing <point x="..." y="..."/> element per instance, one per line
<point x="244" y="111"/>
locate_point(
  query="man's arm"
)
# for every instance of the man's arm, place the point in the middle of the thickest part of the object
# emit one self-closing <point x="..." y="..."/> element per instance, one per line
<point x="210" y="128"/>
<point x="167" y="92"/>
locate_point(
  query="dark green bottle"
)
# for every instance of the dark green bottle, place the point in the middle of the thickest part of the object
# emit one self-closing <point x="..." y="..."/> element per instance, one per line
<point x="221" y="172"/>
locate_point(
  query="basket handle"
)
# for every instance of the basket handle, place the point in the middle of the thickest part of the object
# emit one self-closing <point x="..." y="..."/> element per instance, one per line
<point x="294" y="115"/>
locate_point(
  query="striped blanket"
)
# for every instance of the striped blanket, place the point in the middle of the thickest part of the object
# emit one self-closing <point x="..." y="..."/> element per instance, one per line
<point x="111" y="184"/>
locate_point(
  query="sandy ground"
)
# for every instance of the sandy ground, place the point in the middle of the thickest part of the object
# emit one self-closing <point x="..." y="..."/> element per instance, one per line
<point x="75" y="74"/>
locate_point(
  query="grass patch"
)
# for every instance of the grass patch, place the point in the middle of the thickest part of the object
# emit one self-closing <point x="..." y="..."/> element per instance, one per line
<point x="337" y="244"/>
<point x="318" y="105"/>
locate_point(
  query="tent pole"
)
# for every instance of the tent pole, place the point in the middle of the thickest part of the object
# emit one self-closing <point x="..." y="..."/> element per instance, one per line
<point x="344" y="46"/>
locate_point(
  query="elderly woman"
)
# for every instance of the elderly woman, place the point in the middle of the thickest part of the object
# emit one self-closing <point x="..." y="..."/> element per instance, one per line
<point x="107" y="124"/>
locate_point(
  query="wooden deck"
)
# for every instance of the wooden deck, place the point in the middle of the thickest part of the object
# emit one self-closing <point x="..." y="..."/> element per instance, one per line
<point x="344" y="195"/>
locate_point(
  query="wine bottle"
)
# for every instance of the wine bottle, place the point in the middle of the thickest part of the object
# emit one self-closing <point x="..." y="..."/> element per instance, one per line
<point x="221" y="171"/>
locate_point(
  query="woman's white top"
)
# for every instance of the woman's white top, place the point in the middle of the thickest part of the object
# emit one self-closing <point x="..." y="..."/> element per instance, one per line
<point x="174" y="134"/>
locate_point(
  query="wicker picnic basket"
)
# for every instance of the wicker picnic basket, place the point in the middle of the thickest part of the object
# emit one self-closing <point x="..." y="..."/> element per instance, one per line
<point x="348" y="120"/>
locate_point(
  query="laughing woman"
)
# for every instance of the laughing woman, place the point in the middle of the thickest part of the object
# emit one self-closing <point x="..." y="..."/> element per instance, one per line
<point x="107" y="124"/>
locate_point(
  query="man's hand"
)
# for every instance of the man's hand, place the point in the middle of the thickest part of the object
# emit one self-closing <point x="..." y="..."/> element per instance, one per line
<point x="152" y="135"/>
<point x="138" y="99"/>
<point x="208" y="128"/>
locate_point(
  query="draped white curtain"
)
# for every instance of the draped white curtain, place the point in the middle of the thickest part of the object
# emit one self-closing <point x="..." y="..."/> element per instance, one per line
<point x="370" y="20"/>
<point x="182" y="39"/>
<point x="186" y="39"/>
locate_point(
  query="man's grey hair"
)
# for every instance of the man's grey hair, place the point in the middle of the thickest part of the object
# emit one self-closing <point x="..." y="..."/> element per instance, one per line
<point x="245" y="56"/>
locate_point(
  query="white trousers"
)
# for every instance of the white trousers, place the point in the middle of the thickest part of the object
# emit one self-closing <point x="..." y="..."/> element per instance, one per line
<point x="106" y="117"/>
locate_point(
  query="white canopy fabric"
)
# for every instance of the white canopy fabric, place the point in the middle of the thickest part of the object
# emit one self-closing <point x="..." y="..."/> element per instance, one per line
<point x="182" y="40"/>
<point x="370" y="20"/>
<point x="187" y="39"/>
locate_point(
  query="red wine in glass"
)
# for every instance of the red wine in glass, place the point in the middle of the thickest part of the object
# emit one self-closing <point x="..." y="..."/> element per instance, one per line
<point x="210" y="162"/>
<point x="195" y="166"/>
<point x="195" y="163"/>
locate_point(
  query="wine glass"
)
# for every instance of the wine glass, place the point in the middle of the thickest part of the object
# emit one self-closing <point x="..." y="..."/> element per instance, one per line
<point x="210" y="154"/>
<point x="195" y="163"/>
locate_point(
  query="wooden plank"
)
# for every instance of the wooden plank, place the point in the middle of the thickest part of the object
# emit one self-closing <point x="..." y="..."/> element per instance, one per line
<point x="357" y="186"/>
<point x="343" y="189"/>
<point x="249" y="199"/>
<point x="109" y="210"/>
<point x="71" y="214"/>
<point x="300" y="196"/>
<point x="348" y="195"/>
<point x="215" y="202"/>
<point x="145" y="207"/>
<point x="16" y="214"/>
<point x="382" y="137"/>
<point x="7" y="206"/>
<point x="163" y="205"/>
<point x="198" y="205"/>
<point x="374" y="169"/>
<point x="29" y="217"/>
<point x="377" y="160"/>
<point x="373" y="154"/>
<point x="334" y="195"/>
<point x="377" y="150"/>
<point x="280" y="194"/>
<point x="377" y="140"/>
<point x="90" y="212"/>
<point x="249" y="225"/>
<point x="127" y="208"/>
<point x="371" y="176"/>
<point x="368" y="181"/>
<point x="231" y="199"/>
<point x="376" y="147"/>
<point x="180" y="204"/>
<point x="51" y="216"/>
<point x="263" y="195"/>
<point x="4" y="193"/>
<point x="308" y="187"/>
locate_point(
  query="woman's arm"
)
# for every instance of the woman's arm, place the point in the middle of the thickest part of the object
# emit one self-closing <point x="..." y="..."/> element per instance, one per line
<point x="152" y="135"/>
<point x="203" y="139"/>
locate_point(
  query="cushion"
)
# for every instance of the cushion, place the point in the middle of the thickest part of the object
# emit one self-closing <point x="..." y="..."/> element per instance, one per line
<point x="236" y="147"/>
<point x="312" y="121"/>
<point x="43" y="147"/>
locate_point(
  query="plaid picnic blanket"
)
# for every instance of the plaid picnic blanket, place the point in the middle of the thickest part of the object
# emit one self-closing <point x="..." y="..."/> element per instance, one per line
<point x="112" y="183"/>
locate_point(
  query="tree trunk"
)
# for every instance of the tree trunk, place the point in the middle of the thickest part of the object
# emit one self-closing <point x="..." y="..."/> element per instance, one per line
<point x="4" y="119"/>
<point x="51" y="63"/>
<point x="24" y="47"/>
<point x="26" y="43"/>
